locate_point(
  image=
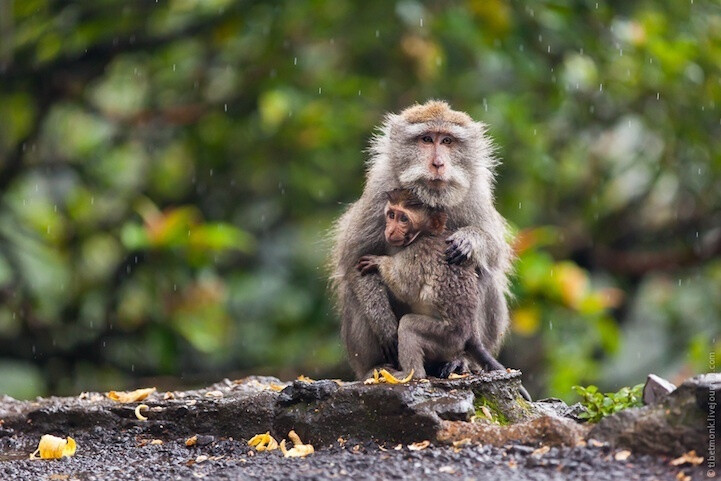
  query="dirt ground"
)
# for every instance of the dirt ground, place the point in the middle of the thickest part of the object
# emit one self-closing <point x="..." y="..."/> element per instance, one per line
<point x="130" y="455"/>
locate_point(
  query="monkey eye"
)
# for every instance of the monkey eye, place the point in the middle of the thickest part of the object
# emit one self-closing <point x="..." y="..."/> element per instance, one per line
<point x="446" y="140"/>
<point x="427" y="139"/>
<point x="391" y="215"/>
<point x="404" y="218"/>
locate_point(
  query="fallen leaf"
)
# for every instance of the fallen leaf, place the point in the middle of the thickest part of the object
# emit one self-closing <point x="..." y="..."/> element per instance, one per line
<point x="191" y="441"/>
<point x="138" y="408"/>
<point x="419" y="445"/>
<point x="541" y="451"/>
<point x="453" y="375"/>
<point x="622" y="455"/>
<point x="688" y="458"/>
<point x="53" y="447"/>
<point x="263" y="442"/>
<point x="299" y="450"/>
<point x="131" y="396"/>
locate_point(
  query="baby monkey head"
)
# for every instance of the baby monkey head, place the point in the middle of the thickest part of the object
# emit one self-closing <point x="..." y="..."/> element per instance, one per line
<point x="407" y="218"/>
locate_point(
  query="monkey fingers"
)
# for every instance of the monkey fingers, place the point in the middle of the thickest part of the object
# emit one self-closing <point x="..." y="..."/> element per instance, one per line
<point x="390" y="352"/>
<point x="367" y="264"/>
<point x="458" y="251"/>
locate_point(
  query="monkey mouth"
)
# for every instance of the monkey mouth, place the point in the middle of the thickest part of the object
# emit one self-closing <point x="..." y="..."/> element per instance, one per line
<point x="436" y="184"/>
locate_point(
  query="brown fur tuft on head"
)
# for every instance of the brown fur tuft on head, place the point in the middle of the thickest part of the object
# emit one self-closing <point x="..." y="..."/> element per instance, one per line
<point x="435" y="111"/>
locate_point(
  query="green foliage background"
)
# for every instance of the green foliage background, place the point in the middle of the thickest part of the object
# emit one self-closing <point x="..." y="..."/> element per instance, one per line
<point x="169" y="172"/>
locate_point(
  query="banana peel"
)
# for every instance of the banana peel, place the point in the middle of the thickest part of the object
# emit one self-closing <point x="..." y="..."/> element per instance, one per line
<point x="383" y="376"/>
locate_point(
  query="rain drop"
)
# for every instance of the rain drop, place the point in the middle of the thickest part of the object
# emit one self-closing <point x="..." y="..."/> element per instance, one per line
<point x="421" y="21"/>
<point x="225" y="107"/>
<point x="600" y="88"/>
<point x="173" y="67"/>
<point x="378" y="33"/>
<point x="295" y="60"/>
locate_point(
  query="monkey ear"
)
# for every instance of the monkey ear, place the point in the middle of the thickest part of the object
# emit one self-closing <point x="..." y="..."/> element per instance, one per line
<point x="438" y="222"/>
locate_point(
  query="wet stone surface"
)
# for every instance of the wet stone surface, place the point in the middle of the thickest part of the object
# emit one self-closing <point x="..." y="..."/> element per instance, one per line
<point x="478" y="428"/>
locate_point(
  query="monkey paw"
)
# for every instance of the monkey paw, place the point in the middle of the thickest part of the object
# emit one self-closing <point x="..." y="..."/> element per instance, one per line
<point x="460" y="248"/>
<point x="367" y="264"/>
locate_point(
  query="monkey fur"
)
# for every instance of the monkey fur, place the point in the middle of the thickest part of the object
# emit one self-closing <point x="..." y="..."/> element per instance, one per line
<point x="443" y="297"/>
<point x="411" y="152"/>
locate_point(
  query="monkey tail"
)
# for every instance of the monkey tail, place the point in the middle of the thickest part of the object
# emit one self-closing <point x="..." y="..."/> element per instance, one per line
<point x="480" y="354"/>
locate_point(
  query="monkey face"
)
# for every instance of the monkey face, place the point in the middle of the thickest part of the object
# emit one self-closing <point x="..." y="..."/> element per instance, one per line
<point x="433" y="166"/>
<point x="402" y="225"/>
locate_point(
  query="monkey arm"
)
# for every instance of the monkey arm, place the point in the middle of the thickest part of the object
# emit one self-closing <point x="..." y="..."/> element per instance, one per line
<point x="375" y="306"/>
<point x="485" y="250"/>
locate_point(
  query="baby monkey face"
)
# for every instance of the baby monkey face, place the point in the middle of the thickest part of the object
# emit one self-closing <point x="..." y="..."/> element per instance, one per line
<point x="402" y="225"/>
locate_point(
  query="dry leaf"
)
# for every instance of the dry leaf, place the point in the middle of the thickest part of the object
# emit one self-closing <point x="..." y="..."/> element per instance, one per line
<point x="541" y="451"/>
<point x="303" y="378"/>
<point x="138" y="408"/>
<point x="622" y="455"/>
<point x="131" y="396"/>
<point x="419" y="446"/>
<point x="53" y="447"/>
<point x="453" y="375"/>
<point x="263" y="442"/>
<point x="299" y="450"/>
<point x="688" y="458"/>
<point x="191" y="441"/>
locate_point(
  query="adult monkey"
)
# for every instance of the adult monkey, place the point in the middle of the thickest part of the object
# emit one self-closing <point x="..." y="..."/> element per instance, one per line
<point x="446" y="160"/>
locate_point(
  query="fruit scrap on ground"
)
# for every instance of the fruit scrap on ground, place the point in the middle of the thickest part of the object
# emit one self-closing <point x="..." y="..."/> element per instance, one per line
<point x="53" y="447"/>
<point x="131" y="396"/>
<point x="263" y="442"/>
<point x="383" y="376"/>
<point x="299" y="450"/>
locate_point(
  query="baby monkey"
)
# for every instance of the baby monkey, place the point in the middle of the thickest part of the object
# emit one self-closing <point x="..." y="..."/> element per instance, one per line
<point x="443" y="298"/>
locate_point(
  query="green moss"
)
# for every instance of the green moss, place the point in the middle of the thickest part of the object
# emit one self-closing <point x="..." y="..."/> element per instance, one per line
<point x="497" y="416"/>
<point x="523" y="404"/>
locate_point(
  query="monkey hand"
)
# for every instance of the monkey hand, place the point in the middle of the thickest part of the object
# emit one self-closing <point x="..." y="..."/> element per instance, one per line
<point x="460" y="247"/>
<point x="368" y="264"/>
